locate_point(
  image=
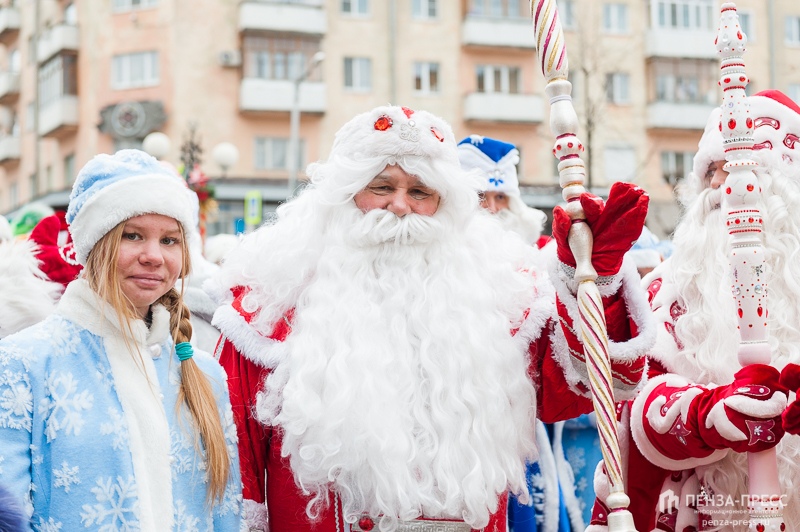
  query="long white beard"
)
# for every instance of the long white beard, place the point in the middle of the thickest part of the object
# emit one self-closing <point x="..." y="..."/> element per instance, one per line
<point x="708" y="330"/>
<point x="403" y="389"/>
<point x="700" y="271"/>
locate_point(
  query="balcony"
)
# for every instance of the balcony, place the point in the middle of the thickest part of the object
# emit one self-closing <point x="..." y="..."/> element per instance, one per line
<point x="59" y="117"/>
<point x="59" y="38"/>
<point x="500" y="107"/>
<point x="9" y="24"/>
<point x="9" y="88"/>
<point x="670" y="115"/>
<point x="509" y="33"/>
<point x="307" y="17"/>
<point x="9" y="150"/>
<point x="278" y="95"/>
<point x="689" y="44"/>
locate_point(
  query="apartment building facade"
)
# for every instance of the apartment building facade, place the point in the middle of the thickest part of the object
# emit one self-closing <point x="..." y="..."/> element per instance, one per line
<point x="79" y="78"/>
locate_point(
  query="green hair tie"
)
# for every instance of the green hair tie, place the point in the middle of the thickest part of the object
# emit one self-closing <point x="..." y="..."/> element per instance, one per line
<point x="184" y="350"/>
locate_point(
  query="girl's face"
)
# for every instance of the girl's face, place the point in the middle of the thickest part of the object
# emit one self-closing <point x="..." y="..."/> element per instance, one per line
<point x="150" y="259"/>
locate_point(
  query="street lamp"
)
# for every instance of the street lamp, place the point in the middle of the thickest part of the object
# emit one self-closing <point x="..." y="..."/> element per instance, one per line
<point x="294" y="123"/>
<point x="156" y="144"/>
<point x="225" y="155"/>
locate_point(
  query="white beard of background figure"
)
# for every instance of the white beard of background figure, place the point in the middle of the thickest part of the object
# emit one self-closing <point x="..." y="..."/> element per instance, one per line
<point x="496" y="162"/>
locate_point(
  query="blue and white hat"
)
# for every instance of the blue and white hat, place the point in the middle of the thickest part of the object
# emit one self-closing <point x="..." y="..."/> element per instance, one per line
<point x="497" y="161"/>
<point x="110" y="189"/>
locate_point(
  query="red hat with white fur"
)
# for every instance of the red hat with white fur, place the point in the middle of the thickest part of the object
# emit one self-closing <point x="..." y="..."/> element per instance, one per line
<point x="776" y="128"/>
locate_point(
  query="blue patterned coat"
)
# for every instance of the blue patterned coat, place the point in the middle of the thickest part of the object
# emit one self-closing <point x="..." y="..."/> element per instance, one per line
<point x="90" y="437"/>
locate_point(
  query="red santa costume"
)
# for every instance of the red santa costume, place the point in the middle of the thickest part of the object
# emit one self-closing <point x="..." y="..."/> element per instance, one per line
<point x="380" y="366"/>
<point x="700" y="411"/>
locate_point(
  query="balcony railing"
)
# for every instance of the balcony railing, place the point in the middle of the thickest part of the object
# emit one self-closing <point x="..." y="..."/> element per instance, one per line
<point x="509" y="33"/>
<point x="59" y="117"/>
<point x="689" y="44"/>
<point x="59" y="38"/>
<point x="671" y="115"/>
<point x="9" y="88"/>
<point x="278" y="95"/>
<point x="501" y="107"/>
<point x="9" y="24"/>
<point x="306" y="17"/>
<point x="9" y="149"/>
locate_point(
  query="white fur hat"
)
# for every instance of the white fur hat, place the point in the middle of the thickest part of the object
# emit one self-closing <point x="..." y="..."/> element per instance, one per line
<point x="110" y="189"/>
<point x="776" y="121"/>
<point x="496" y="160"/>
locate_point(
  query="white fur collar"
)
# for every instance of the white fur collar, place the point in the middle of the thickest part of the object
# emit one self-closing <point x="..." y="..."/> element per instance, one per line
<point x="81" y="305"/>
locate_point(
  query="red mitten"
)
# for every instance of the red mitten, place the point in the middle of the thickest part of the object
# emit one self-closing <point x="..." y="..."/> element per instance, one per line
<point x="57" y="262"/>
<point x="790" y="377"/>
<point x="616" y="225"/>
<point x="745" y="415"/>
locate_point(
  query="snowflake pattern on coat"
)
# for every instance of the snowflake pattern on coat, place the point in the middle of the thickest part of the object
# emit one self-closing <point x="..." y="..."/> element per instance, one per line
<point x="64" y="446"/>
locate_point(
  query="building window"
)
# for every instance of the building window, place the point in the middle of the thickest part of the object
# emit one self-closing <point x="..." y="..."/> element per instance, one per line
<point x="566" y="8"/>
<point x="426" y="77"/>
<point x="355" y="7"/>
<point x="501" y="8"/>
<point x="129" y="71"/>
<point x="120" y="6"/>
<point x="746" y="22"/>
<point x="280" y="57"/>
<point x="13" y="195"/>
<point x="495" y="78"/>
<point x="58" y="77"/>
<point x="686" y="14"/>
<point x="33" y="185"/>
<point x="270" y="153"/>
<point x="620" y="164"/>
<point x="794" y="92"/>
<point x="69" y="169"/>
<point x="793" y="31"/>
<point x="615" y="18"/>
<point x="424" y="8"/>
<point x="358" y="73"/>
<point x="675" y="165"/>
<point x="685" y="80"/>
<point x="617" y="88"/>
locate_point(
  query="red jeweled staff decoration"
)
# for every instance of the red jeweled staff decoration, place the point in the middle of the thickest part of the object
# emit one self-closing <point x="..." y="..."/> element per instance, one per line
<point x="744" y="223"/>
<point x="552" y="52"/>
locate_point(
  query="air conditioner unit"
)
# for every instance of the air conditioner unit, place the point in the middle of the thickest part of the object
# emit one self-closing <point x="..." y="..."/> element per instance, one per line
<point x="230" y="58"/>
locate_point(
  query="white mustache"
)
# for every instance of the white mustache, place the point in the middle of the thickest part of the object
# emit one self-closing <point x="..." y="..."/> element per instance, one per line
<point x="380" y="226"/>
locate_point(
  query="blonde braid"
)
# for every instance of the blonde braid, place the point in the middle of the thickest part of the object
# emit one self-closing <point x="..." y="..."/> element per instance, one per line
<point x="196" y="391"/>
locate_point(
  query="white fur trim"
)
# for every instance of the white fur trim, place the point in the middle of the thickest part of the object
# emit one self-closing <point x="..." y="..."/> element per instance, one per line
<point x="638" y="309"/>
<point x="26" y="295"/>
<point x="137" y="387"/>
<point x="642" y="441"/>
<point x="117" y="202"/>
<point x="549" y="476"/>
<point x="255" y="515"/>
<point x="719" y="419"/>
<point x="566" y="478"/>
<point x="245" y="338"/>
<point x="542" y="309"/>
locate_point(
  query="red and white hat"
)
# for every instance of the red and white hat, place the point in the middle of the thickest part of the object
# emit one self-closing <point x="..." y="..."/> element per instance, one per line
<point x="776" y="127"/>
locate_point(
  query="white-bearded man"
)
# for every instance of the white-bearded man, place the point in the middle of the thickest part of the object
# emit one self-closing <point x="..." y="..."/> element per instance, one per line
<point x="381" y="336"/>
<point x="691" y="428"/>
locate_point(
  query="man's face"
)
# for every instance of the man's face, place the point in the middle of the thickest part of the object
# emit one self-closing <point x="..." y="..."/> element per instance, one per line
<point x="399" y="193"/>
<point x="715" y="176"/>
<point x="494" y="202"/>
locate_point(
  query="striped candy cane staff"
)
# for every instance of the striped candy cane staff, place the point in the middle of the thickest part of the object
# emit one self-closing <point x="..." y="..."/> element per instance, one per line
<point x="744" y="223"/>
<point x="564" y="123"/>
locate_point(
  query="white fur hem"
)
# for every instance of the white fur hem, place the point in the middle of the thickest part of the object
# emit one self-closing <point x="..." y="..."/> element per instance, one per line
<point x="258" y="349"/>
<point x="256" y="516"/>
<point x="626" y="352"/>
<point x="542" y="309"/>
<point x="123" y="200"/>
<point x="649" y="451"/>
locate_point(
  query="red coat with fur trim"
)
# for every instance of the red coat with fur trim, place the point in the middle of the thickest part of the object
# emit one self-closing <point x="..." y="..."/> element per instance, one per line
<point x="556" y="366"/>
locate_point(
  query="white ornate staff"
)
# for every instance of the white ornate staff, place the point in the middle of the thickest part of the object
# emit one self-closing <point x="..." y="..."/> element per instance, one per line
<point x="552" y="52"/>
<point x="744" y="223"/>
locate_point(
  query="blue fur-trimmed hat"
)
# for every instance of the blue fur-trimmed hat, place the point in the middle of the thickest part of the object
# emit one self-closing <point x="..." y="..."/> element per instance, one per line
<point x="497" y="161"/>
<point x="110" y="189"/>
